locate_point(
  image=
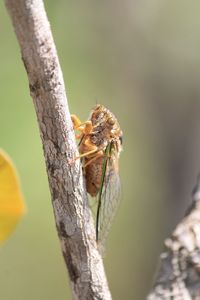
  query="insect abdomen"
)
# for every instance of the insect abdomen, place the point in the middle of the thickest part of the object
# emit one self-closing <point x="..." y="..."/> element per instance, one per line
<point x="93" y="175"/>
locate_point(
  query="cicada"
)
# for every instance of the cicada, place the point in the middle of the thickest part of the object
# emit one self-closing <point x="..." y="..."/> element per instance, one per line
<point x="99" y="148"/>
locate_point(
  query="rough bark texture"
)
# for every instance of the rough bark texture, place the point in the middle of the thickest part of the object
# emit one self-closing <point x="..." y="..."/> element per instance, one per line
<point x="178" y="276"/>
<point x="72" y="215"/>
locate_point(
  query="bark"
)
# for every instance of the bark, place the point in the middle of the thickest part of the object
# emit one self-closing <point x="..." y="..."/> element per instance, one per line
<point x="178" y="275"/>
<point x="72" y="215"/>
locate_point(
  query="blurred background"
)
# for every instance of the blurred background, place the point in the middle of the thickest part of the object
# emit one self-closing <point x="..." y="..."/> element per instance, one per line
<point x="141" y="60"/>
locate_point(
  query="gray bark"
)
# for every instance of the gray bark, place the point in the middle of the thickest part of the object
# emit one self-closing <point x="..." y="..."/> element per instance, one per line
<point x="72" y="215"/>
<point x="178" y="275"/>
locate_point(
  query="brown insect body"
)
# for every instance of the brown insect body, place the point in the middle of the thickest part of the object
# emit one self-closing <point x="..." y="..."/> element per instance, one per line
<point x="105" y="130"/>
<point x="93" y="175"/>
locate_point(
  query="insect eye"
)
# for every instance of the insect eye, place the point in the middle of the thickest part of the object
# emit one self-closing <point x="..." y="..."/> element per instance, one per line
<point x="121" y="139"/>
<point x="111" y="121"/>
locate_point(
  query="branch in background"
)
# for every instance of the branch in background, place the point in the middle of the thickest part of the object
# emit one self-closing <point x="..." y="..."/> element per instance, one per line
<point x="178" y="277"/>
<point x="72" y="215"/>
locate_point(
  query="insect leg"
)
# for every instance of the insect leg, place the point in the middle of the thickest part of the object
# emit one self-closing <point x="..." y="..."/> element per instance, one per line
<point x="87" y="153"/>
<point x="98" y="154"/>
<point x="85" y="127"/>
<point x="92" y="149"/>
<point x="76" y="121"/>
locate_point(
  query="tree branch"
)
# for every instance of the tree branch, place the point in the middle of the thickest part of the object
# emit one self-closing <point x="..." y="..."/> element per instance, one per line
<point x="178" y="276"/>
<point x="72" y="215"/>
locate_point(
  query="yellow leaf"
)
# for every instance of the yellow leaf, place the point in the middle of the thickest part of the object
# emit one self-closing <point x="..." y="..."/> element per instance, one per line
<point x="12" y="205"/>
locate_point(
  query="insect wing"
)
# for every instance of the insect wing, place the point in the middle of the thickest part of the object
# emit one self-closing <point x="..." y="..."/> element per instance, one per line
<point x="109" y="198"/>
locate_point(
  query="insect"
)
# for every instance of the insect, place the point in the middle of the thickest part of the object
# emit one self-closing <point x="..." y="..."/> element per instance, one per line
<point x="99" y="148"/>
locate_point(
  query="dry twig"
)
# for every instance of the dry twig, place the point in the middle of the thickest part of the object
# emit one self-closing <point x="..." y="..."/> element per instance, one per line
<point x="72" y="215"/>
<point x="178" y="276"/>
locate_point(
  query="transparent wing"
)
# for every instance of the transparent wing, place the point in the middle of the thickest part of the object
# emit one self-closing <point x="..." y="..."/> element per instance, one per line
<point x="108" y="200"/>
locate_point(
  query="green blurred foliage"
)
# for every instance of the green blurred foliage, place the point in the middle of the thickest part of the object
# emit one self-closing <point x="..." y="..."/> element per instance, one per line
<point x="141" y="60"/>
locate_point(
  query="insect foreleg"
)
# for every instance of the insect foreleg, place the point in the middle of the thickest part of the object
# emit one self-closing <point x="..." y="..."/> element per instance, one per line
<point x="85" y="127"/>
<point x="76" y="121"/>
